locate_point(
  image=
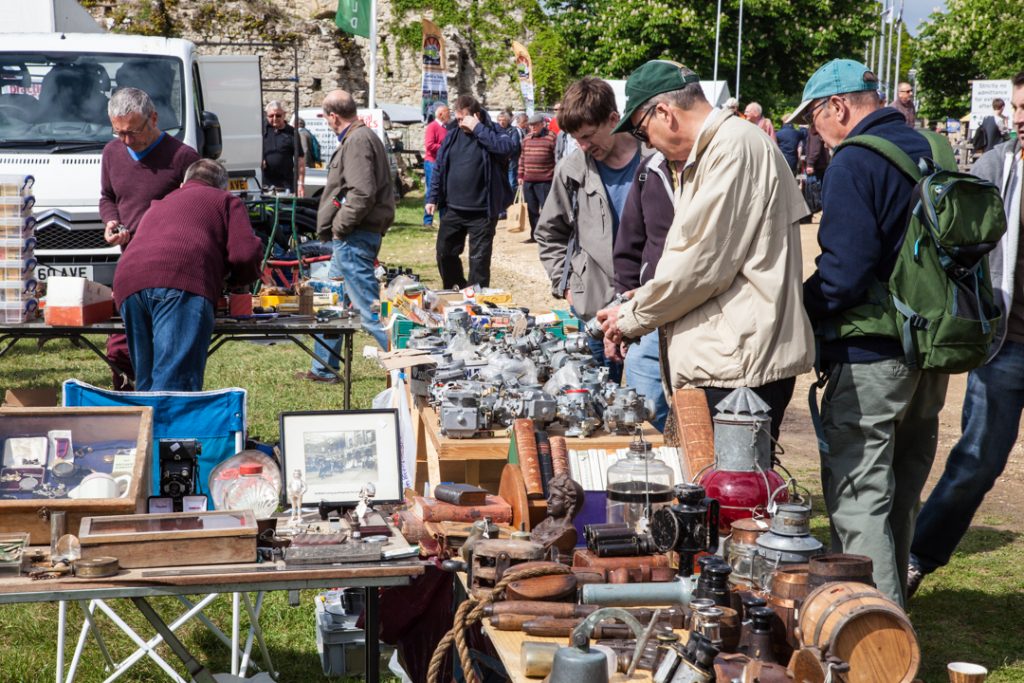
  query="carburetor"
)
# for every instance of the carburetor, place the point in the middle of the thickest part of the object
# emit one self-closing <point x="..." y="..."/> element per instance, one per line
<point x="625" y="410"/>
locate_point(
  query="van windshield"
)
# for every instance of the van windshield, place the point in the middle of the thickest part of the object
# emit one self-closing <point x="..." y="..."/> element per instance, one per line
<point x="61" y="99"/>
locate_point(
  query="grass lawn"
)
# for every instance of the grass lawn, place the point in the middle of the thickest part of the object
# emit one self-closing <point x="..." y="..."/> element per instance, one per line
<point x="972" y="610"/>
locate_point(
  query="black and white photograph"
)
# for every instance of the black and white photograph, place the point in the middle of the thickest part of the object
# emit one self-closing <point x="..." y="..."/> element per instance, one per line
<point x="339" y="452"/>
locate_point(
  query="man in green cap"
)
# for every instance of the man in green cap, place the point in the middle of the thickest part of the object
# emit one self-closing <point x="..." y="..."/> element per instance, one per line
<point x="879" y="417"/>
<point x="726" y="292"/>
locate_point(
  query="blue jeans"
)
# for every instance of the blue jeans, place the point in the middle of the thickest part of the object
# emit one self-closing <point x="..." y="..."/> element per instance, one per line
<point x="428" y="173"/>
<point x="353" y="259"/>
<point x="168" y="335"/>
<point x="989" y="424"/>
<point x="643" y="373"/>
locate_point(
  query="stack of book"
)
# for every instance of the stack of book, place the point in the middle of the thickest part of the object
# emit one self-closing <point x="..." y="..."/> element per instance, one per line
<point x="461" y="503"/>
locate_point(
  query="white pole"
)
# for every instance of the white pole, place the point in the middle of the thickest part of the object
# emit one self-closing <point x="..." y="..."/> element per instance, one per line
<point x="739" y="52"/>
<point x="881" y="43"/>
<point x="718" y="31"/>
<point x="888" y="55"/>
<point x="899" y="44"/>
<point x="372" y="100"/>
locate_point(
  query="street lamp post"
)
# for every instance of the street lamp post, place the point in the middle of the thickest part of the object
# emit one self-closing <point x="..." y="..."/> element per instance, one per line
<point x="718" y="31"/>
<point x="739" y="52"/>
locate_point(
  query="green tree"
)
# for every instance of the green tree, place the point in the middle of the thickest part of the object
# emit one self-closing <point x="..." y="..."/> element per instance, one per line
<point x="784" y="41"/>
<point x="973" y="39"/>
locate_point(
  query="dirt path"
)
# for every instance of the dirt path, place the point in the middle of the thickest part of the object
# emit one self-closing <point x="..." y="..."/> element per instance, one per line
<point x="516" y="267"/>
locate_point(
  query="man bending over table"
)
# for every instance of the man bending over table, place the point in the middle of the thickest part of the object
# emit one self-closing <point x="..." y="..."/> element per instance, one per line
<point x="174" y="269"/>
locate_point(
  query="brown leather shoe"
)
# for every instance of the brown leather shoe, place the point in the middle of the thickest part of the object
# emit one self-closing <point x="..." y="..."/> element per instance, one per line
<point x="313" y="377"/>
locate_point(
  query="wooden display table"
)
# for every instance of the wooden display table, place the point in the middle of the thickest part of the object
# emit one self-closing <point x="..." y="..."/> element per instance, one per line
<point x="433" y="449"/>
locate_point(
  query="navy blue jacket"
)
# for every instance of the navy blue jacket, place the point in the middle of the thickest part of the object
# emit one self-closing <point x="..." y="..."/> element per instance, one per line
<point x="865" y="201"/>
<point x="494" y="147"/>
<point x="789" y="142"/>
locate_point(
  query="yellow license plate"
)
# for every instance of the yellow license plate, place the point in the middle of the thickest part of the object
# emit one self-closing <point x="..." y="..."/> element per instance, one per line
<point x="238" y="184"/>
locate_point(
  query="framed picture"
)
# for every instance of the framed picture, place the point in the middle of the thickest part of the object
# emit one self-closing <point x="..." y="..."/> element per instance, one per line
<point x="340" y="451"/>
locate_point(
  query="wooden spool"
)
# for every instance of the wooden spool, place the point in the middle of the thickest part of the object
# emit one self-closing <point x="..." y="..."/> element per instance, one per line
<point x="787" y="590"/>
<point x="840" y="567"/>
<point x="856" y="623"/>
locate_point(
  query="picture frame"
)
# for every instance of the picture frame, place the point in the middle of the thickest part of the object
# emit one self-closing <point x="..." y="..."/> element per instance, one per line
<point x="338" y="452"/>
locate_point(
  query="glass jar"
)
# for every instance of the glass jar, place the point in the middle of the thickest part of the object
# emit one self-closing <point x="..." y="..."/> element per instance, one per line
<point x="638" y="485"/>
<point x="250" y="491"/>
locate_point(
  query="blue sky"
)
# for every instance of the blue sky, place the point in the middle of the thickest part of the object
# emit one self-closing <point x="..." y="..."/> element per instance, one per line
<point x="915" y="11"/>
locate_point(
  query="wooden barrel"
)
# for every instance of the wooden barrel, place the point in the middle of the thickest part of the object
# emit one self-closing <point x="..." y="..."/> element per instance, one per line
<point x="859" y="625"/>
<point x="790" y="582"/>
<point x="840" y="567"/>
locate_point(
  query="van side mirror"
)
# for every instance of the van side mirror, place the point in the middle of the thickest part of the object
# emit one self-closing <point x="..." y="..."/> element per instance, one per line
<point x="212" y="144"/>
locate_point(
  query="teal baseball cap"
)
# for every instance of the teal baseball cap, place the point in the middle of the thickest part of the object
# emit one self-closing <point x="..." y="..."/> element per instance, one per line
<point x="834" y="78"/>
<point x="653" y="78"/>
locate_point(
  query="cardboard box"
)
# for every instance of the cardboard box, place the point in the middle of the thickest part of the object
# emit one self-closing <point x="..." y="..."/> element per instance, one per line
<point x="36" y="397"/>
<point x="76" y="302"/>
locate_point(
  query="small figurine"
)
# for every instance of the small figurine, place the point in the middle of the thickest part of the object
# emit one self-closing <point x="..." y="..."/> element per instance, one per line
<point x="296" y="488"/>
<point x="565" y="500"/>
<point x="366" y="495"/>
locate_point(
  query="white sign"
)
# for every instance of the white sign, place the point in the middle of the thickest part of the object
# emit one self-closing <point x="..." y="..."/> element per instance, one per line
<point x="45" y="271"/>
<point x="982" y="94"/>
<point x="315" y="124"/>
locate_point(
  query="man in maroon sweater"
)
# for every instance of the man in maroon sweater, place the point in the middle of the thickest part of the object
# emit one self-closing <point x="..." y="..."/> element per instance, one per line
<point x="433" y="136"/>
<point x="173" y="271"/>
<point x="537" y="167"/>
<point x="141" y="165"/>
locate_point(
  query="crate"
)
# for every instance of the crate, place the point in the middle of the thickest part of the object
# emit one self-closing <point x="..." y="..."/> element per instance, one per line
<point x="17" y="312"/>
<point x="342" y="649"/>
<point x="123" y="434"/>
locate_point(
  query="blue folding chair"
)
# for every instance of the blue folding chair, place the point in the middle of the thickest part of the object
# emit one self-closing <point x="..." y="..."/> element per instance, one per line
<point x="218" y="420"/>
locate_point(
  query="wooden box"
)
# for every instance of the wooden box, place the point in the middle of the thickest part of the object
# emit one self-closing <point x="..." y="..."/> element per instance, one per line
<point x="114" y="440"/>
<point x="171" y="540"/>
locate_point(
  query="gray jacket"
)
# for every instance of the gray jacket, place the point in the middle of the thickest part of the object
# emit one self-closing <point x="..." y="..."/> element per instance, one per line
<point x="590" y="263"/>
<point x="358" y="194"/>
<point x="1002" y="166"/>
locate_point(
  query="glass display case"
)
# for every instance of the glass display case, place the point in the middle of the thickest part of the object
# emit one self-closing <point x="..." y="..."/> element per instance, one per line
<point x="83" y="461"/>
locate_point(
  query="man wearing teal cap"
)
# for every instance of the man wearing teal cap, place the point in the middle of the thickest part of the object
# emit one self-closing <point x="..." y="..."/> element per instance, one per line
<point x="726" y="291"/>
<point x="879" y="417"/>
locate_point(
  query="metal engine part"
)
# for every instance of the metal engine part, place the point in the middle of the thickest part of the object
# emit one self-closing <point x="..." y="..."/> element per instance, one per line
<point x="578" y="412"/>
<point x="626" y="410"/>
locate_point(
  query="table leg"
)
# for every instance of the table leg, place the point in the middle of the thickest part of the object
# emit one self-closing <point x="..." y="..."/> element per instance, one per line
<point x="62" y="622"/>
<point x="348" y="341"/>
<point x="235" y="628"/>
<point x="372" y="630"/>
<point x="199" y="673"/>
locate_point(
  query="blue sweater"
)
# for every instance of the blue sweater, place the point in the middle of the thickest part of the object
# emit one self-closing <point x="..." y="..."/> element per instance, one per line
<point x="865" y="201"/>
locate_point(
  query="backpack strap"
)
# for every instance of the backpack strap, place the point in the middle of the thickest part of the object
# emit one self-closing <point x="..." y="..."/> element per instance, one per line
<point x="888" y="150"/>
<point x="942" y="153"/>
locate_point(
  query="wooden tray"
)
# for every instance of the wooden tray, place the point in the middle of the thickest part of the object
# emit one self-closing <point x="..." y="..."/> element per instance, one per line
<point x="132" y="425"/>
<point x="171" y="540"/>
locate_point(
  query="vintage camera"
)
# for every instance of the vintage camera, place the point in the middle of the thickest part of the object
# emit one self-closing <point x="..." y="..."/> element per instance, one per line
<point x="179" y="465"/>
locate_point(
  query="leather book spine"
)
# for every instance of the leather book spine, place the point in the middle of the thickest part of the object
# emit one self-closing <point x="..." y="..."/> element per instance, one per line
<point x="559" y="455"/>
<point x="458" y="495"/>
<point x="547" y="471"/>
<point x="526" y="446"/>
<point x="432" y="510"/>
<point x="696" y="435"/>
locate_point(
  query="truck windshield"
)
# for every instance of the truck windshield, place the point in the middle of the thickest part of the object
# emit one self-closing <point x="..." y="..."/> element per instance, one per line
<point x="61" y="99"/>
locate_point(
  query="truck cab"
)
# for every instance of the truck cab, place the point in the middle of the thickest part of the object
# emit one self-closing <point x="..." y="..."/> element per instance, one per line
<point x="54" y="90"/>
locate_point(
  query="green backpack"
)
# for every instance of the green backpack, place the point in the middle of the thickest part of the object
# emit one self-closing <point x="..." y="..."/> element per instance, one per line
<point x="938" y="301"/>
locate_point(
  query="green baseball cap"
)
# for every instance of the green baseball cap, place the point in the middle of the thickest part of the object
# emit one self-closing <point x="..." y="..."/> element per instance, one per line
<point x="653" y="78"/>
<point x="834" y="78"/>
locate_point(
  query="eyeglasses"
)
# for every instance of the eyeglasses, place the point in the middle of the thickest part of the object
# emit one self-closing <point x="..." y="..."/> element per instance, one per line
<point x="815" y="109"/>
<point x="129" y="133"/>
<point x="639" y="132"/>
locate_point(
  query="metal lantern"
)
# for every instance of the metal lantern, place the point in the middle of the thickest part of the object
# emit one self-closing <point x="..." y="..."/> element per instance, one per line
<point x="789" y="541"/>
<point x="742" y="479"/>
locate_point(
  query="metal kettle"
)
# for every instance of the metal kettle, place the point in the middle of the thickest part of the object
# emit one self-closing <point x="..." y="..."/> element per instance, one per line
<point x="578" y="662"/>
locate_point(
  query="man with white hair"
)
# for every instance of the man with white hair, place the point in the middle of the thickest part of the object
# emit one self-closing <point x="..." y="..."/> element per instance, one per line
<point x="755" y="114"/>
<point x="140" y="165"/>
<point x="279" y="167"/>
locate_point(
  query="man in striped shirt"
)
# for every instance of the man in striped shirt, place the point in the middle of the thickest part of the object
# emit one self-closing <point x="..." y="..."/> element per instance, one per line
<point x="537" y="167"/>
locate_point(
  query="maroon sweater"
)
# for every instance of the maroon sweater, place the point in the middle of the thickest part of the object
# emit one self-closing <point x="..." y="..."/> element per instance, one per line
<point x="190" y="240"/>
<point x="537" y="161"/>
<point x="128" y="186"/>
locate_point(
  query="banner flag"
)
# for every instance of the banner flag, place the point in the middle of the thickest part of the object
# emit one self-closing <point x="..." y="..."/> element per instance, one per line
<point x="435" y="79"/>
<point x="524" y="71"/>
<point x="354" y="17"/>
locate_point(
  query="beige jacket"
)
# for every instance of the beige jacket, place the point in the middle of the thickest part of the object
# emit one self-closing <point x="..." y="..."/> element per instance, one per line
<point x="727" y="292"/>
<point x="359" y="178"/>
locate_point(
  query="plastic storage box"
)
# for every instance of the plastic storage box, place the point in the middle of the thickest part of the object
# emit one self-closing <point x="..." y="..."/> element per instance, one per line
<point x="342" y="648"/>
